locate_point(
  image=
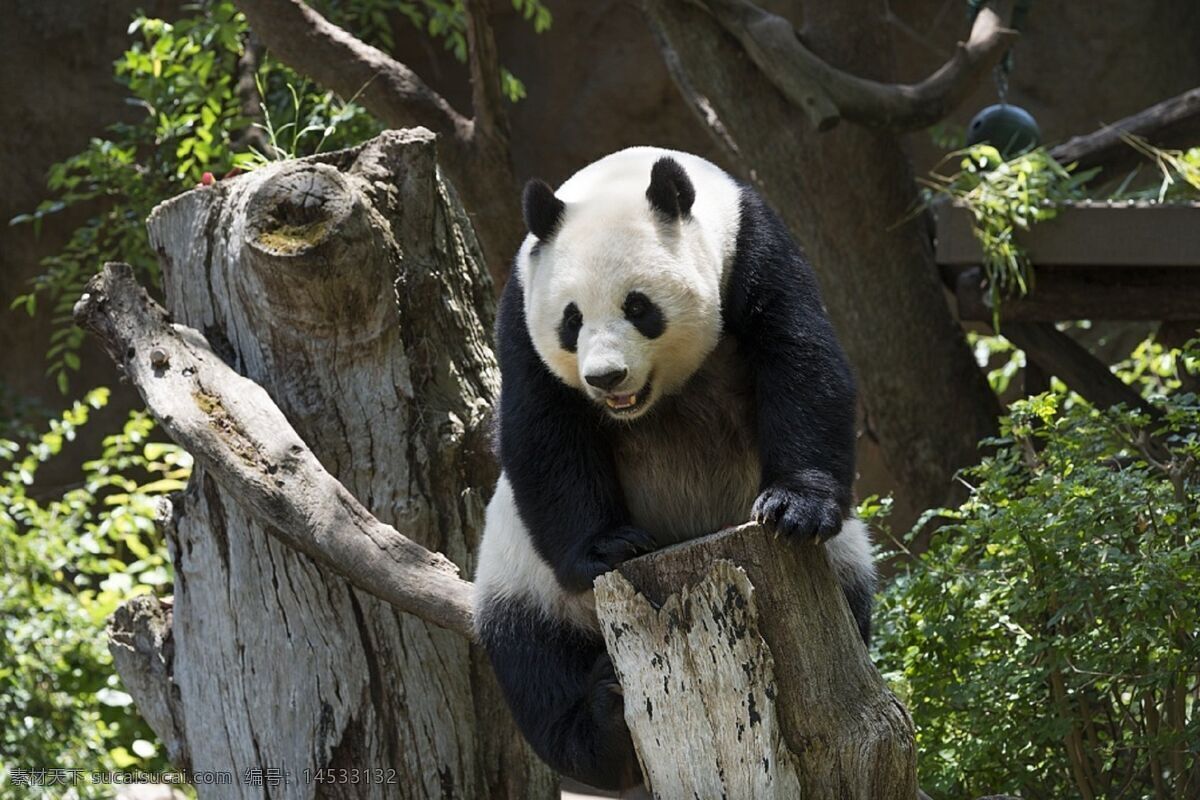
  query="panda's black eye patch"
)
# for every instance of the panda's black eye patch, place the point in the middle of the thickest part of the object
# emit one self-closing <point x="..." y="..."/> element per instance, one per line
<point x="644" y="315"/>
<point x="568" y="328"/>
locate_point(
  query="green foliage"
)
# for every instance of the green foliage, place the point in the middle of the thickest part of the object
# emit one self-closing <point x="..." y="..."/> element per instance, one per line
<point x="183" y="76"/>
<point x="1048" y="639"/>
<point x="1005" y="197"/>
<point x="66" y="563"/>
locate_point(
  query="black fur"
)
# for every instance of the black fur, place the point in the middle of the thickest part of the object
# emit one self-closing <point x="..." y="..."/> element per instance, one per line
<point x="644" y="315"/>
<point x="564" y="695"/>
<point x="803" y="382"/>
<point x="568" y="328"/>
<point x="555" y="449"/>
<point x="671" y="191"/>
<point x="543" y="211"/>
<point x="860" y="596"/>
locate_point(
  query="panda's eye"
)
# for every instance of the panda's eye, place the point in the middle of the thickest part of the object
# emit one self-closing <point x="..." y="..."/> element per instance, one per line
<point x="568" y="328"/>
<point x="636" y="305"/>
<point x="644" y="315"/>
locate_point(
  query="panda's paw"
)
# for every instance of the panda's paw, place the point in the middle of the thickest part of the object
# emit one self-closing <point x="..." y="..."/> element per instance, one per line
<point x="606" y="697"/>
<point x="616" y="762"/>
<point x="607" y="701"/>
<point x="608" y="550"/>
<point x="800" y="515"/>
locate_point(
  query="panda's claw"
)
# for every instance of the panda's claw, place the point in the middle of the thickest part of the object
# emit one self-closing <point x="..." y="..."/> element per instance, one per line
<point x="800" y="515"/>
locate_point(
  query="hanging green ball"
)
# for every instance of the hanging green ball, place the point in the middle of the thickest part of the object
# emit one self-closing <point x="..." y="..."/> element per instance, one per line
<point x="1010" y="129"/>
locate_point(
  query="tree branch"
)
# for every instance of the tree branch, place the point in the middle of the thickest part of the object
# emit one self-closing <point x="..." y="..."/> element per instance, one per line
<point x="1173" y="123"/>
<point x="248" y="96"/>
<point x="484" y="64"/>
<point x="827" y="94"/>
<point x="235" y="431"/>
<point x="314" y="46"/>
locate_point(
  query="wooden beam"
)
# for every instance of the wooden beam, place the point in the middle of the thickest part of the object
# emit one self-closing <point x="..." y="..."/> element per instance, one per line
<point x="1059" y="354"/>
<point x="1107" y="293"/>
<point x="1087" y="234"/>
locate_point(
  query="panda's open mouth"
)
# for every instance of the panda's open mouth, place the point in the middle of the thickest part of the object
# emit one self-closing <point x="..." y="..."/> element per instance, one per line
<point x="627" y="403"/>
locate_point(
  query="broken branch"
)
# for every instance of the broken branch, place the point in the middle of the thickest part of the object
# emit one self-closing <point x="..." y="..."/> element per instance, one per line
<point x="315" y="47"/>
<point x="1173" y="123"/>
<point x="827" y="94"/>
<point x="237" y="433"/>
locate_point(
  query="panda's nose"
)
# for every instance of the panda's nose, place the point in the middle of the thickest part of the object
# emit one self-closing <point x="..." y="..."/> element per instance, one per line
<point x="606" y="380"/>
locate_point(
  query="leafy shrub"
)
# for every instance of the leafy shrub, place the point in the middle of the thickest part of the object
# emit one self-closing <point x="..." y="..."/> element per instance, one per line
<point x="66" y="563"/>
<point x="1047" y="642"/>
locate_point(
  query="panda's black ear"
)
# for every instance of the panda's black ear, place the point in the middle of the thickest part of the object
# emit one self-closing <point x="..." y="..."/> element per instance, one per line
<point x="671" y="190"/>
<point x="543" y="211"/>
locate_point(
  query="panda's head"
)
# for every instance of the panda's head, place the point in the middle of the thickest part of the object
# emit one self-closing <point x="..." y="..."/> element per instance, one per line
<point x="622" y="281"/>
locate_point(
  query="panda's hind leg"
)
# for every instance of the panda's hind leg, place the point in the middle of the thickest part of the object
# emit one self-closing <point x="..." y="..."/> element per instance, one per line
<point x="560" y="685"/>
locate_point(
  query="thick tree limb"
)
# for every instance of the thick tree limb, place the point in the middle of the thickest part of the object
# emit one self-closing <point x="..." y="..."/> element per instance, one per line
<point x="1059" y="354"/>
<point x="316" y="47"/>
<point x="1173" y="123"/>
<point x="827" y="94"/>
<point x="484" y="64"/>
<point x="233" y="428"/>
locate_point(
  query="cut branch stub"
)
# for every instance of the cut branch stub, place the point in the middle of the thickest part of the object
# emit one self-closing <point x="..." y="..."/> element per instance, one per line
<point x="303" y="207"/>
<point x="139" y="638"/>
<point x="475" y="151"/>
<point x="749" y="676"/>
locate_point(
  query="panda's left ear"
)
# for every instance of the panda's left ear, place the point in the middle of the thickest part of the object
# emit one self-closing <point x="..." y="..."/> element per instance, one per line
<point x="671" y="191"/>
<point x="543" y="211"/>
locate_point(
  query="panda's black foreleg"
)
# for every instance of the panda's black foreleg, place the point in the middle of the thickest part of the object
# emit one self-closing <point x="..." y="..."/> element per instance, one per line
<point x="560" y="685"/>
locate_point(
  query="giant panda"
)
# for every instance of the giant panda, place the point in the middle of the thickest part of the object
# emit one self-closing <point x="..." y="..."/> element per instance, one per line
<point x="667" y="370"/>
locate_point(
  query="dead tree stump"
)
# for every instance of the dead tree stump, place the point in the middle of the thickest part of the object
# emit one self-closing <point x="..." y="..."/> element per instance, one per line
<point x="351" y="288"/>
<point x="744" y="675"/>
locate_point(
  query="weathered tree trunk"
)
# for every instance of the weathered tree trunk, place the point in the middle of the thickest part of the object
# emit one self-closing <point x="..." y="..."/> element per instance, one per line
<point x="848" y="195"/>
<point x="744" y="675"/>
<point x="351" y="288"/>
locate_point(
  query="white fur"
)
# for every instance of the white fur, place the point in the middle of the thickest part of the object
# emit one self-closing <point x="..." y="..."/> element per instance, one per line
<point x="609" y="244"/>
<point x="510" y="568"/>
<point x="852" y="555"/>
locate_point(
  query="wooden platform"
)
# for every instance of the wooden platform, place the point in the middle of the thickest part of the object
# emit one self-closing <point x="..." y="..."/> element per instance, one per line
<point x="1100" y="261"/>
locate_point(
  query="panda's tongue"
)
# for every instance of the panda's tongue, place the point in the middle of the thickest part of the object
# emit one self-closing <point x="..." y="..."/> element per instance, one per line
<point x="621" y="400"/>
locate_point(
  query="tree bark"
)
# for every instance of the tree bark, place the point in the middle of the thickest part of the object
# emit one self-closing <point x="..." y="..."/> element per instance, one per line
<point x="475" y="150"/>
<point x="848" y="196"/>
<point x="351" y="288"/>
<point x="745" y="676"/>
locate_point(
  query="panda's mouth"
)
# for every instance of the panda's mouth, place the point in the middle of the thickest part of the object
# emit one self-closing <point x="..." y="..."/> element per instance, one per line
<point x="623" y="404"/>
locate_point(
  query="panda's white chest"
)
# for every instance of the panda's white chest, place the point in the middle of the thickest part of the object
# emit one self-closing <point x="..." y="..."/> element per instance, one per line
<point x="691" y="467"/>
